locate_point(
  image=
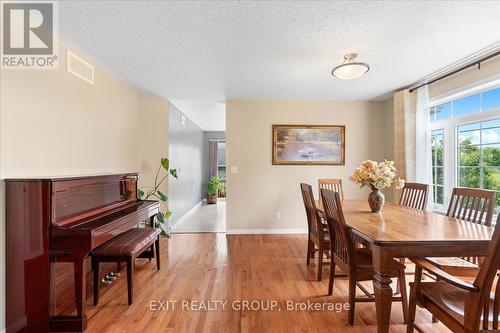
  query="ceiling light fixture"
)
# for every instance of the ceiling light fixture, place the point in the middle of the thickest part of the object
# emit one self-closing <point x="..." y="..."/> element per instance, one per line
<point x="350" y="69"/>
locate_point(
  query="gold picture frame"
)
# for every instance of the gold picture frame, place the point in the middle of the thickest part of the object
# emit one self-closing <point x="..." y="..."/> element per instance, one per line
<point x="308" y="145"/>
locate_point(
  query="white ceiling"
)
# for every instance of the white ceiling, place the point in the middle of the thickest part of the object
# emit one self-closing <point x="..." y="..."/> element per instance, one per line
<point x="205" y="52"/>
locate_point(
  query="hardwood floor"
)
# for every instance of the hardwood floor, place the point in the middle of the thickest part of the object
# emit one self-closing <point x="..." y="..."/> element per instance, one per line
<point x="216" y="267"/>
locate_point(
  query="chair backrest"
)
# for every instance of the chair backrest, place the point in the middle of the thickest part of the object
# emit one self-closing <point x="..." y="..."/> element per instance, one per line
<point x="472" y="205"/>
<point x="332" y="184"/>
<point x="414" y="196"/>
<point x="314" y="223"/>
<point x="340" y="241"/>
<point x="478" y="303"/>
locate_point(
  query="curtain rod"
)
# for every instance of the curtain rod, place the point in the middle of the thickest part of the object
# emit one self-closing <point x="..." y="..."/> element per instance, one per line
<point x="474" y="63"/>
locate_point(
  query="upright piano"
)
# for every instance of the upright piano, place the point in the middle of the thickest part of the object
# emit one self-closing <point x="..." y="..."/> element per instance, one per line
<point x="52" y="224"/>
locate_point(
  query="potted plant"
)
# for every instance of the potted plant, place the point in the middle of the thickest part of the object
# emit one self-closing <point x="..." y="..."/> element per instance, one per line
<point x="152" y="192"/>
<point x="213" y="186"/>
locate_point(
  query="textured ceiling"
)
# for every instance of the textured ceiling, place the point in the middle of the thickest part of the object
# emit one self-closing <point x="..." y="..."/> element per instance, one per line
<point x="213" y="51"/>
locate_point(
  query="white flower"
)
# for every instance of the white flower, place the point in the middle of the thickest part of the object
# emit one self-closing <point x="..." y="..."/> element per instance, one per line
<point x="400" y="183"/>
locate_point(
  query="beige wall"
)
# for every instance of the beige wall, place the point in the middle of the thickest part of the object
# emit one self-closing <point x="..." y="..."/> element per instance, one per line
<point x="153" y="138"/>
<point x="261" y="189"/>
<point x="469" y="76"/>
<point x="52" y="123"/>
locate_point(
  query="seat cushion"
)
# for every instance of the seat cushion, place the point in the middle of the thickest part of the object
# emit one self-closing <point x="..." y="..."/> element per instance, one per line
<point x="448" y="298"/>
<point x="129" y="243"/>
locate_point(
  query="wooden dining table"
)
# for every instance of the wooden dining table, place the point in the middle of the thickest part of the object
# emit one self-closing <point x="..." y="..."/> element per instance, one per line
<point x="398" y="232"/>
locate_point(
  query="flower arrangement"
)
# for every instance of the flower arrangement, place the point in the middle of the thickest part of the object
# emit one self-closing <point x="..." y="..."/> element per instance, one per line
<point x="377" y="175"/>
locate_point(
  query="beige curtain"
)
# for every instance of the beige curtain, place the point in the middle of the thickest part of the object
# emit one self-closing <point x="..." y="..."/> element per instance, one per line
<point x="404" y="136"/>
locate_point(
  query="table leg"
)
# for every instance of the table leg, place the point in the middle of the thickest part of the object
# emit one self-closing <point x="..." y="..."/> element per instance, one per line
<point x="382" y="287"/>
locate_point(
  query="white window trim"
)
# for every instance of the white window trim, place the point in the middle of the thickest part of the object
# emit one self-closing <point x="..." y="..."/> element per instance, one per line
<point x="450" y="128"/>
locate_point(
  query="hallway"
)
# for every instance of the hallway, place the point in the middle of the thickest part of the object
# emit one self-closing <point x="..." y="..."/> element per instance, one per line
<point x="204" y="218"/>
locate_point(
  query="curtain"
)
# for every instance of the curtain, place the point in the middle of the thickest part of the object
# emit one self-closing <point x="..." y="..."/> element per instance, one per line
<point x="423" y="157"/>
<point x="404" y="134"/>
<point x="212" y="147"/>
<point x="412" y="138"/>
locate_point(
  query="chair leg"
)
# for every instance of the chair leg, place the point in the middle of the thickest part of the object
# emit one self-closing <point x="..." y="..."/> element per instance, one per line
<point x="412" y="308"/>
<point x="352" y="299"/>
<point x="97" y="285"/>
<point x="398" y="286"/>
<point x="130" y="270"/>
<point x="434" y="319"/>
<point x="332" y="276"/>
<point x="157" y="249"/>
<point x="308" y="260"/>
<point x="320" y="263"/>
<point x="404" y="295"/>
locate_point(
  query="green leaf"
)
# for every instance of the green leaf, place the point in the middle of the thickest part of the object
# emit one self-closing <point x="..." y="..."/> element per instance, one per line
<point x="140" y="194"/>
<point x="164" y="229"/>
<point x="168" y="214"/>
<point x="160" y="218"/>
<point x="164" y="163"/>
<point x="173" y="172"/>
<point x="162" y="196"/>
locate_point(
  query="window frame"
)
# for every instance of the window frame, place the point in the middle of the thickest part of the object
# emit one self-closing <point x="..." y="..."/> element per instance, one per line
<point x="438" y="205"/>
<point x="450" y="129"/>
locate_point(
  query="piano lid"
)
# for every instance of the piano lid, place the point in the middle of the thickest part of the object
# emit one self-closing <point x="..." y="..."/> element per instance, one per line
<point x="79" y="198"/>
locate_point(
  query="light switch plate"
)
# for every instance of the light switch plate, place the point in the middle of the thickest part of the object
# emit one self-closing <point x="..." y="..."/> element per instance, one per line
<point x="234" y="169"/>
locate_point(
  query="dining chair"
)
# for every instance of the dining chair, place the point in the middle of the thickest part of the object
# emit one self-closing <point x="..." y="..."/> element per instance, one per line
<point x="318" y="236"/>
<point x="459" y="305"/>
<point x="414" y="195"/>
<point x="471" y="205"/>
<point x="355" y="262"/>
<point x="331" y="184"/>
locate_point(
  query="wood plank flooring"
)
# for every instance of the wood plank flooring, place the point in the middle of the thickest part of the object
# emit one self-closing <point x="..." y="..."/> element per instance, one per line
<point x="232" y="268"/>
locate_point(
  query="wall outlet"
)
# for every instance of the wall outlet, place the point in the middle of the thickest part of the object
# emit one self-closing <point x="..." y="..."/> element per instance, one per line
<point x="278" y="216"/>
<point x="234" y="169"/>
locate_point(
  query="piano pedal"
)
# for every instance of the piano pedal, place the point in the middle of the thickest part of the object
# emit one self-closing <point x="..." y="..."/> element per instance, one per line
<point x="114" y="274"/>
<point x="110" y="277"/>
<point x="106" y="281"/>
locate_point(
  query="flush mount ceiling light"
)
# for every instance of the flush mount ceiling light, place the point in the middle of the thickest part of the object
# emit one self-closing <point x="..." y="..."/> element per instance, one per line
<point x="350" y="69"/>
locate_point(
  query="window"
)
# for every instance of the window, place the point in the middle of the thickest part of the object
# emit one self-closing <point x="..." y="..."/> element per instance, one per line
<point x="479" y="156"/>
<point x="484" y="101"/>
<point x="465" y="143"/>
<point x="437" y="143"/>
<point x="221" y="160"/>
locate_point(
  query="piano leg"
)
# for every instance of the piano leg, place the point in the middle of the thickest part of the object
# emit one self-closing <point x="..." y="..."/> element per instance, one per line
<point x="78" y="323"/>
<point x="80" y="286"/>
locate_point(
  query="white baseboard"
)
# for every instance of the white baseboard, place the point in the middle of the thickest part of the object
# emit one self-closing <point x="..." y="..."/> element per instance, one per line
<point x="274" y="231"/>
<point x="185" y="215"/>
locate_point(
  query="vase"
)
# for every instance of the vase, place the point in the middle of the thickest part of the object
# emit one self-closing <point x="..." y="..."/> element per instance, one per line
<point x="376" y="200"/>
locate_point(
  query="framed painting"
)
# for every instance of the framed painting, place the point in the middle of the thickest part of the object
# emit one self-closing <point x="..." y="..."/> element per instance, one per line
<point x="308" y="145"/>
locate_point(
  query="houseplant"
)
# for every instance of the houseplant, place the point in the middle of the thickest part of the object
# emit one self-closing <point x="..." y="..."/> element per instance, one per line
<point x="152" y="192"/>
<point x="213" y="186"/>
<point x="376" y="175"/>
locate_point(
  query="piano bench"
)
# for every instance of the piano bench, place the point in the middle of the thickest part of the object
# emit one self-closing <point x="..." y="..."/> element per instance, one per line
<point x="125" y="247"/>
